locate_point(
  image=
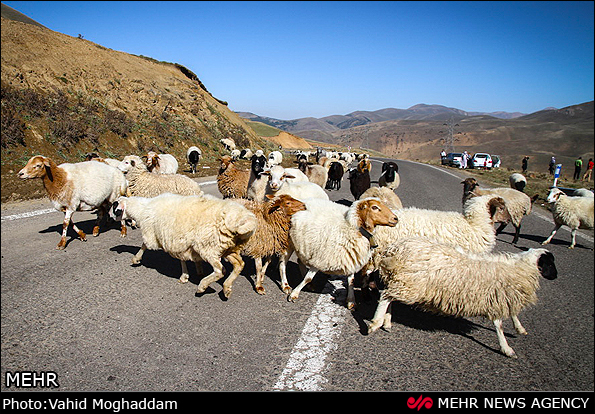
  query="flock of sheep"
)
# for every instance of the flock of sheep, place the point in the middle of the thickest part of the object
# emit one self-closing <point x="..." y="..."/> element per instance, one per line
<point x="441" y="261"/>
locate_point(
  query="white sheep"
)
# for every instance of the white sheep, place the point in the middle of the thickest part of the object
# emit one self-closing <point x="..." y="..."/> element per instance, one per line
<point x="82" y="186"/>
<point x="336" y="240"/>
<point x="473" y="230"/>
<point x="517" y="181"/>
<point x="583" y="192"/>
<point x="275" y="158"/>
<point x="442" y="278"/>
<point x="246" y="154"/>
<point x="143" y="183"/>
<point x="235" y="154"/>
<point x="93" y="156"/>
<point x="161" y="163"/>
<point x="574" y="212"/>
<point x="290" y="181"/>
<point x="197" y="228"/>
<point x="316" y="174"/>
<point x="228" y="143"/>
<point x="518" y="203"/>
<point x="193" y="155"/>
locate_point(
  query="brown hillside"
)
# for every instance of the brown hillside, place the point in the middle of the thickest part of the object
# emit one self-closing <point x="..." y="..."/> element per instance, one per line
<point x="64" y="96"/>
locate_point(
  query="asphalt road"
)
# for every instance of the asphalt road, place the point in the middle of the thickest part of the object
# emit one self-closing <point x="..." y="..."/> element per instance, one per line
<point x="102" y="324"/>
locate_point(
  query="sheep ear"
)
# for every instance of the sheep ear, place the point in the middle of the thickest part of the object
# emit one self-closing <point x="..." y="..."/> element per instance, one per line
<point x="269" y="196"/>
<point x="288" y="175"/>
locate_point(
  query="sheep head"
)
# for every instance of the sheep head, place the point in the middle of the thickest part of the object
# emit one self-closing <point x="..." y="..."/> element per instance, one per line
<point x="38" y="166"/>
<point x="373" y="212"/>
<point x="498" y="210"/>
<point x="554" y="195"/>
<point x="285" y="203"/>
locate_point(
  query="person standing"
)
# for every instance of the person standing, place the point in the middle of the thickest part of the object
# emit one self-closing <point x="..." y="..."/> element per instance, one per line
<point x="578" y="165"/>
<point x="587" y="176"/>
<point x="552" y="165"/>
<point x="525" y="164"/>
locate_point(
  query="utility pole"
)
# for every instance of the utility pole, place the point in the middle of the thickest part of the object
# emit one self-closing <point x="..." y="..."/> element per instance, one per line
<point x="449" y="140"/>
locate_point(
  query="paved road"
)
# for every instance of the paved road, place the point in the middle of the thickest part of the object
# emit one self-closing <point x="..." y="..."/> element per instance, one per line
<point x="102" y="324"/>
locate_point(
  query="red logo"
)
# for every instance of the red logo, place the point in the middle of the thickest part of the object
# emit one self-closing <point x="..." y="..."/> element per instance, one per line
<point x="420" y="403"/>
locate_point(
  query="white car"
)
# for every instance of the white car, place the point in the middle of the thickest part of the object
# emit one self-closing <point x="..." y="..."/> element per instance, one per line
<point x="482" y="160"/>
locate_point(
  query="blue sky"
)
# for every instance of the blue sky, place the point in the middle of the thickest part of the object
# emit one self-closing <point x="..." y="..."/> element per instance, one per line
<point x="290" y="60"/>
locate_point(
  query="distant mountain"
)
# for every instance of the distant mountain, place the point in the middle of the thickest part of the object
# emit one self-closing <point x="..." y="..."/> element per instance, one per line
<point x="332" y="123"/>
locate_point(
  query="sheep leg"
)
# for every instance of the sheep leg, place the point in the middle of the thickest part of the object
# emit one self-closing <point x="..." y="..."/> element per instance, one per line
<point x="260" y="272"/>
<point x="517" y="325"/>
<point x="67" y="216"/>
<point x="517" y="231"/>
<point x="307" y="279"/>
<point x="549" y="239"/>
<point x="213" y="277"/>
<point x="283" y="271"/>
<point x="387" y="318"/>
<point x="504" y="347"/>
<point x="100" y="214"/>
<point x="573" y="243"/>
<point x="379" y="315"/>
<point x="238" y="264"/>
<point x="185" y="276"/>
<point x="123" y="229"/>
<point x="501" y="227"/>
<point x="350" y="292"/>
<point x="138" y="256"/>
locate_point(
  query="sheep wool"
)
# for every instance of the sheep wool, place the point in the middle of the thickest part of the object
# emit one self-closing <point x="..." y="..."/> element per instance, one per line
<point x="574" y="212"/>
<point x="444" y="279"/>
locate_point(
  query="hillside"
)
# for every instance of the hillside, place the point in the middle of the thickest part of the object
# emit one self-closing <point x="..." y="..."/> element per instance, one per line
<point x="64" y="96"/>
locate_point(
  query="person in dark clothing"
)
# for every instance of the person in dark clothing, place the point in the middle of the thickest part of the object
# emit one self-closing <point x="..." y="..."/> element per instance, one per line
<point x="552" y="165"/>
<point x="524" y="164"/>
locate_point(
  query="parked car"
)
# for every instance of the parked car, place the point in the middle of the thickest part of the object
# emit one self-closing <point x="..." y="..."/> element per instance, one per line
<point x="496" y="161"/>
<point x="453" y="159"/>
<point x="482" y="160"/>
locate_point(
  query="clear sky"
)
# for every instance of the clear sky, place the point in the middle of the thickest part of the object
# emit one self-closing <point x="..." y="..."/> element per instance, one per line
<point x="291" y="60"/>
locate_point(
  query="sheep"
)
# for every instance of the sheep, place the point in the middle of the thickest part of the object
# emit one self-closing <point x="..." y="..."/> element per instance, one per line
<point x="336" y="240"/>
<point x="197" y="228"/>
<point x="271" y="237"/>
<point x="316" y="174"/>
<point x="246" y="154"/>
<point x="233" y="182"/>
<point x="93" y="156"/>
<point x="473" y="230"/>
<point x="442" y="278"/>
<point x="335" y="175"/>
<point x="386" y="195"/>
<point x="517" y="181"/>
<point x="359" y="178"/>
<point x="518" y="203"/>
<point x="275" y="158"/>
<point x="161" y="163"/>
<point x="235" y="154"/>
<point x="574" y="212"/>
<point x="289" y="181"/>
<point x="390" y="175"/>
<point x="82" y="186"/>
<point x="193" y="155"/>
<point x="143" y="183"/>
<point x="228" y="143"/>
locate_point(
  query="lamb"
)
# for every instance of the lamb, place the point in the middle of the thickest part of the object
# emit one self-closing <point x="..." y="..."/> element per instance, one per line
<point x="233" y="182"/>
<point x="517" y="181"/>
<point x="82" y="186"/>
<point x="583" y="192"/>
<point x="235" y="154"/>
<point x="574" y="212"/>
<point x="193" y="155"/>
<point x="386" y="195"/>
<point x="343" y="247"/>
<point x="335" y="175"/>
<point x="390" y="175"/>
<point x="161" y="163"/>
<point x="271" y="237"/>
<point x="143" y="183"/>
<point x="316" y="174"/>
<point x="275" y="158"/>
<point x="444" y="279"/>
<point x="359" y="178"/>
<point x="518" y="203"/>
<point x="197" y="228"/>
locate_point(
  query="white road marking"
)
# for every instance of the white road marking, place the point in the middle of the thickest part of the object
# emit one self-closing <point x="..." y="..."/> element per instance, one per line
<point x="28" y="214"/>
<point x="307" y="363"/>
